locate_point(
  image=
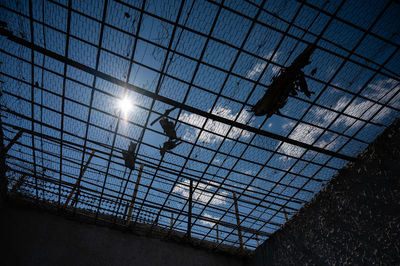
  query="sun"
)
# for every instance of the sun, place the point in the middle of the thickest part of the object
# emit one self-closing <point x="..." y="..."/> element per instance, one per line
<point x="125" y="105"/>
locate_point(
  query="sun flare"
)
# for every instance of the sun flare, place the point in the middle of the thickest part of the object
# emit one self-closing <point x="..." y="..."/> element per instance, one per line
<point x="125" y="105"/>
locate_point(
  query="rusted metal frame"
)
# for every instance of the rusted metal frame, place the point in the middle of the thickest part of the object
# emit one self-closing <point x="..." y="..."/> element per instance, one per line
<point x="213" y="24"/>
<point x="332" y="122"/>
<point x="237" y="221"/>
<point x="105" y="6"/>
<point x="55" y="128"/>
<point x="33" y="93"/>
<point x="123" y="193"/>
<point x="277" y="148"/>
<point x="164" y="169"/>
<point x="152" y="146"/>
<point x="164" y="69"/>
<point x="227" y="225"/>
<point x="78" y="181"/>
<point x="129" y="217"/>
<point x="185" y="176"/>
<point x="63" y="97"/>
<point x="138" y="125"/>
<point x="207" y="64"/>
<point x="286" y="215"/>
<point x="217" y="233"/>
<point x="248" y="97"/>
<point x="216" y="100"/>
<point x="94" y="169"/>
<point x="162" y="73"/>
<point x="89" y="191"/>
<point x="199" y="161"/>
<point x="159" y="176"/>
<point x="393" y="96"/>
<point x="71" y="176"/>
<point x="348" y="104"/>
<point x="327" y="40"/>
<point x="315" y="142"/>
<point x="131" y="61"/>
<point x="189" y="222"/>
<point x="381" y="108"/>
<point x="107" y="221"/>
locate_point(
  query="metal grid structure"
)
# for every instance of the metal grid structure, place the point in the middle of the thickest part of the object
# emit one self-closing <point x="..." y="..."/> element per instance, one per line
<point x="67" y="63"/>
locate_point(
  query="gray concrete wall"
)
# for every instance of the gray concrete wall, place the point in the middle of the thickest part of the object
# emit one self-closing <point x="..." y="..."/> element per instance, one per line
<point x="355" y="220"/>
<point x="34" y="237"/>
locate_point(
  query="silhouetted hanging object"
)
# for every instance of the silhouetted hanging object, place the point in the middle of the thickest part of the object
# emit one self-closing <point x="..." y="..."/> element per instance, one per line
<point x="130" y="155"/>
<point x="169" y="128"/>
<point x="169" y="145"/>
<point x="289" y="80"/>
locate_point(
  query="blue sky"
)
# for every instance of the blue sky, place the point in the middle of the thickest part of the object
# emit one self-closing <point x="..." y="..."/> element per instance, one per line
<point x="356" y="96"/>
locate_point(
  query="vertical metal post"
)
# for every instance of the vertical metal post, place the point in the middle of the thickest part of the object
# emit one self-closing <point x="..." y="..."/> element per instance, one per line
<point x="217" y="234"/>
<point x="78" y="181"/>
<point x="286" y="216"/>
<point x="238" y="221"/>
<point x="128" y="219"/>
<point x="172" y="220"/>
<point x="189" y="227"/>
<point x="257" y="239"/>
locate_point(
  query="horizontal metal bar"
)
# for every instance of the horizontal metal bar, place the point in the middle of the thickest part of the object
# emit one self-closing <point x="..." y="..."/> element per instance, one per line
<point x="175" y="103"/>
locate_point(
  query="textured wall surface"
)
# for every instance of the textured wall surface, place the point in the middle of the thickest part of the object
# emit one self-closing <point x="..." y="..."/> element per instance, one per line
<point x="35" y="237"/>
<point x="355" y="220"/>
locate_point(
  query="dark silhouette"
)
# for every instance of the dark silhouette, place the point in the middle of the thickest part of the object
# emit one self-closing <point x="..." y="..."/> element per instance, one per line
<point x="168" y="127"/>
<point x="288" y="81"/>
<point x="169" y="145"/>
<point x="130" y="156"/>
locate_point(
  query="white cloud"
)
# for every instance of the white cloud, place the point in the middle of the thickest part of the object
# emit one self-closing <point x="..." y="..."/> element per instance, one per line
<point x="380" y="87"/>
<point x="259" y="67"/>
<point x="202" y="193"/>
<point x="304" y="133"/>
<point x="211" y="224"/>
<point x="218" y="129"/>
<point x="249" y="172"/>
<point x="358" y="108"/>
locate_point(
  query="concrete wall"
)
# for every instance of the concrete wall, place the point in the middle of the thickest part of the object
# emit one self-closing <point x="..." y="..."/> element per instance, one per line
<point x="34" y="237"/>
<point x="355" y="220"/>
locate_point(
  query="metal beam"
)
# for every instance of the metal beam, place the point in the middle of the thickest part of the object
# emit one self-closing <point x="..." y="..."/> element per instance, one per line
<point x="173" y="102"/>
<point x="128" y="219"/>
<point x="78" y="181"/>
<point x="189" y="224"/>
<point x="238" y="221"/>
<point x="9" y="145"/>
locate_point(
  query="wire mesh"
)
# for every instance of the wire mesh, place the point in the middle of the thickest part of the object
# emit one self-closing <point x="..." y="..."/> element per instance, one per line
<point x="69" y="64"/>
